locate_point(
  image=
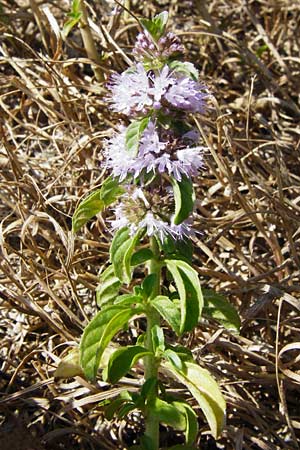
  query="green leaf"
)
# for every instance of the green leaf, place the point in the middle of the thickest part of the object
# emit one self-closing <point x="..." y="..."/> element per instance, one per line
<point x="99" y="333"/>
<point x="189" y="290"/>
<point x="185" y="68"/>
<point x="88" y="208"/>
<point x="116" y="406"/>
<point x="141" y="256"/>
<point x="184" y="196"/>
<point x="205" y="390"/>
<point x="108" y="288"/>
<point x="121" y="362"/>
<point x="133" y="135"/>
<point x="74" y="17"/>
<point x="192" y="428"/>
<point x="121" y="250"/>
<point x="168" y="414"/>
<point x="173" y="357"/>
<point x="70" y="24"/>
<point x="168" y="310"/>
<point x="149" y="284"/>
<point x="184" y="353"/>
<point x="128" y="299"/>
<point x="75" y="6"/>
<point x="111" y="190"/>
<point x="181" y="249"/>
<point x="156" y="26"/>
<point x="219" y="308"/>
<point x="182" y="447"/>
<point x="149" y="388"/>
<point x="96" y="202"/>
<point x="113" y="407"/>
<point x="158" y="339"/>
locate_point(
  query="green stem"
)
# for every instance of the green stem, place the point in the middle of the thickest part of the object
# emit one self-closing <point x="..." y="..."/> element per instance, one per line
<point x="151" y="365"/>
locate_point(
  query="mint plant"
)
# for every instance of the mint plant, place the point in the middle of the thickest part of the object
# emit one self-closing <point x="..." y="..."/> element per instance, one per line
<point x="152" y="159"/>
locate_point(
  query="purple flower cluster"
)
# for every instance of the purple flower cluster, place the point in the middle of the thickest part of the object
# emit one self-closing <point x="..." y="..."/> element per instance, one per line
<point x="173" y="157"/>
<point x="137" y="92"/>
<point x="136" y="212"/>
<point x="164" y="91"/>
<point x="168" y="46"/>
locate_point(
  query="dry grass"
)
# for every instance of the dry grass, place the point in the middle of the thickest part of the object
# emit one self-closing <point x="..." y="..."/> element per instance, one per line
<point x="53" y="121"/>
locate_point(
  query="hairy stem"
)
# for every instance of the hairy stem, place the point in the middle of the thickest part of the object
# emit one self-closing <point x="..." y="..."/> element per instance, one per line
<point x="151" y="365"/>
<point x="89" y="43"/>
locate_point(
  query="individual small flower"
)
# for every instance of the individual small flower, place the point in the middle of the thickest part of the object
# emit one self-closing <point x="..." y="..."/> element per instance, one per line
<point x="160" y="84"/>
<point x="130" y="91"/>
<point x="117" y="157"/>
<point x="187" y="95"/>
<point x="170" y="45"/>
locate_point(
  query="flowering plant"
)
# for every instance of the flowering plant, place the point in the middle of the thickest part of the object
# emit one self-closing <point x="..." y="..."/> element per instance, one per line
<point x="152" y="161"/>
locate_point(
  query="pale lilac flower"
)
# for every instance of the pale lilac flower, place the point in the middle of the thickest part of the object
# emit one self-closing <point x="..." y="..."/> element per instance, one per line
<point x="137" y="213"/>
<point x="150" y="142"/>
<point x="183" y="231"/>
<point x="137" y="91"/>
<point x="117" y="157"/>
<point x="153" y="156"/>
<point x="130" y="91"/>
<point x="187" y="95"/>
<point x="161" y="83"/>
<point x="156" y="227"/>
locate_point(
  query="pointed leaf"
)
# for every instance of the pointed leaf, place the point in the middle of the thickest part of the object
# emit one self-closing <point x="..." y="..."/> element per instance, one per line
<point x="180" y="248"/>
<point x="168" y="310"/>
<point x="219" y="308"/>
<point x="88" y="208"/>
<point x="205" y="390"/>
<point x="128" y="299"/>
<point x="111" y="190"/>
<point x="133" y="135"/>
<point x="148" y="284"/>
<point x="99" y="333"/>
<point x="141" y="256"/>
<point x="121" y="251"/>
<point x="96" y="202"/>
<point x="189" y="290"/>
<point x="157" y="25"/>
<point x="173" y="357"/>
<point x="184" y="196"/>
<point x="108" y="287"/>
<point x="122" y="360"/>
<point x="168" y="414"/>
<point x="192" y="428"/>
<point x="158" y="339"/>
<point x="70" y="24"/>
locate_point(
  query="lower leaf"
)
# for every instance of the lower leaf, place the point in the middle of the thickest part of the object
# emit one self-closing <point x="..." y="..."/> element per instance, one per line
<point x="205" y="390"/>
<point x="98" y="334"/>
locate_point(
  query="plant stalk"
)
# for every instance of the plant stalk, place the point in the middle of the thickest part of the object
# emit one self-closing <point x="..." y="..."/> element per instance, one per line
<point x="151" y="365"/>
<point x="89" y="43"/>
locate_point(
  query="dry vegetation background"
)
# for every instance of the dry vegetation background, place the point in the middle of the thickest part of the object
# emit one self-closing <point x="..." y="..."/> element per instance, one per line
<point x="53" y="120"/>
